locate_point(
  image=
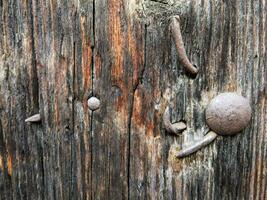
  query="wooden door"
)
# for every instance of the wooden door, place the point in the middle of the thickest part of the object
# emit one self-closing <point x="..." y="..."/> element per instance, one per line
<point x="56" y="54"/>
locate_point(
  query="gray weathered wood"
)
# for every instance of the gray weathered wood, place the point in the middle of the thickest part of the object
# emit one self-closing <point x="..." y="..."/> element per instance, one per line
<point x="56" y="54"/>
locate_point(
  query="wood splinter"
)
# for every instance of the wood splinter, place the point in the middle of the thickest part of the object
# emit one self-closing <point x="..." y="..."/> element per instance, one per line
<point x="177" y="36"/>
<point x="34" y="119"/>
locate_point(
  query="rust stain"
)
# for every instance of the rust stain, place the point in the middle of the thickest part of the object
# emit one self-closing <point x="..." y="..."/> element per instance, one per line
<point x="136" y="53"/>
<point x="9" y="164"/>
<point x="141" y="119"/>
<point x="115" y="38"/>
<point x="175" y="162"/>
<point x="121" y="116"/>
<point x="137" y="109"/>
<point x="86" y="54"/>
<point x="121" y="102"/>
<point x="86" y="66"/>
<point x="150" y="129"/>
<point x="97" y="66"/>
<point x="1" y="163"/>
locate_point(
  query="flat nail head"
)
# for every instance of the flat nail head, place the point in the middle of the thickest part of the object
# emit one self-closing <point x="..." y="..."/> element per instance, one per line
<point x="93" y="103"/>
<point x="228" y="113"/>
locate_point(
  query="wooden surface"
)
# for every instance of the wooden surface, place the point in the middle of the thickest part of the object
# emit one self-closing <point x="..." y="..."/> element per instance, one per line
<point x="56" y="54"/>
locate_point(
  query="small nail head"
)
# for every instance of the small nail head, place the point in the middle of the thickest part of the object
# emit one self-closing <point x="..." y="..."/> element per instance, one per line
<point x="93" y="103"/>
<point x="228" y="113"/>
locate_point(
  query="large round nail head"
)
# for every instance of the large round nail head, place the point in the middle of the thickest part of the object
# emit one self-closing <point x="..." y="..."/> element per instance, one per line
<point x="228" y="113"/>
<point x="93" y="103"/>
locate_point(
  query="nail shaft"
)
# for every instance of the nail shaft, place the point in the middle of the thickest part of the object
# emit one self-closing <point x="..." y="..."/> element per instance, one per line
<point x="177" y="36"/>
<point x="35" y="118"/>
<point x="192" y="149"/>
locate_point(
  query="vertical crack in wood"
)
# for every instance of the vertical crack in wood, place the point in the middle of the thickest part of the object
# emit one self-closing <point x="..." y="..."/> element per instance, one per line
<point x="93" y="50"/>
<point x="73" y="118"/>
<point x="92" y="88"/>
<point x="35" y="84"/>
<point x="129" y="139"/>
<point x="36" y="97"/>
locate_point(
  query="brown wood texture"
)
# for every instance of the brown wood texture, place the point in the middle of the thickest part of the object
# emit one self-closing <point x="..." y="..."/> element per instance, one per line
<point x="55" y="54"/>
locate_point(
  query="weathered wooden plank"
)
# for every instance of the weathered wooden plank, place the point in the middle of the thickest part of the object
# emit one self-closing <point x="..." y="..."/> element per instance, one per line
<point x="82" y="149"/>
<point x="118" y="54"/>
<point x="53" y="23"/>
<point x="20" y="143"/>
<point x="56" y="54"/>
<point x="226" y="39"/>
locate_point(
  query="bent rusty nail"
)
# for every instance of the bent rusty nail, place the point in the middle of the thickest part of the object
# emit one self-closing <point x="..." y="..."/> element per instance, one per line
<point x="175" y="128"/>
<point x="208" y="138"/>
<point x="176" y="33"/>
<point x="35" y="118"/>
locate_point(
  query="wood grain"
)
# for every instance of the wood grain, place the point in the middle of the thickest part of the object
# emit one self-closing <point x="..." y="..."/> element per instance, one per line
<point x="56" y="54"/>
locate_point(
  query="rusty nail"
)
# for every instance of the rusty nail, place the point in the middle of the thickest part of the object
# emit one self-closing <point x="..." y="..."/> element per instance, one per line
<point x="176" y="33"/>
<point x="208" y="138"/>
<point x="93" y="103"/>
<point x="34" y="119"/>
<point x="174" y="128"/>
<point x="228" y="113"/>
